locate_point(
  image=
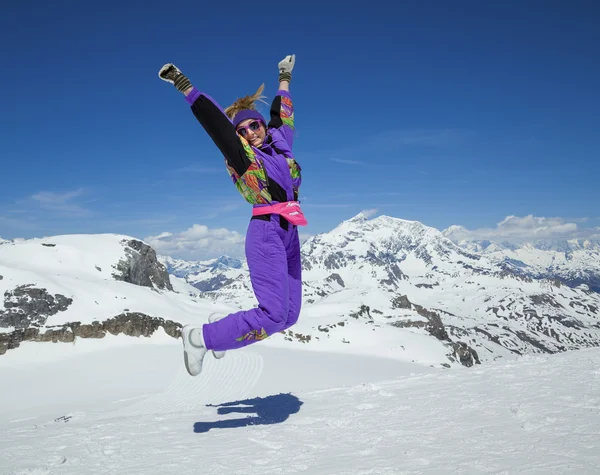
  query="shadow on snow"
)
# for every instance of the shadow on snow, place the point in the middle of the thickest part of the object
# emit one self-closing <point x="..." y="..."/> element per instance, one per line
<point x="265" y="410"/>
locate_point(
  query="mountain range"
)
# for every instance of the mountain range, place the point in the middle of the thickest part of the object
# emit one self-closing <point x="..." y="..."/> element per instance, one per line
<point x="480" y="301"/>
<point x="384" y="286"/>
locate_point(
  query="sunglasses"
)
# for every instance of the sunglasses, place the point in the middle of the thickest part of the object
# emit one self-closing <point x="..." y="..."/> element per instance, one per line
<point x="253" y="126"/>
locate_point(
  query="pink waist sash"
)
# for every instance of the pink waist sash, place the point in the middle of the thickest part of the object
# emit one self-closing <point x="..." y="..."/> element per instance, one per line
<point x="290" y="210"/>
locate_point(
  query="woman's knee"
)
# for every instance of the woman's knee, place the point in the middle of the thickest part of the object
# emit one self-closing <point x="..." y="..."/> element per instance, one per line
<point x="276" y="316"/>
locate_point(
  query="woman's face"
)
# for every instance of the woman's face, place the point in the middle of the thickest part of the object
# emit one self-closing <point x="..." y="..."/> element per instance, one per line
<point x="253" y="131"/>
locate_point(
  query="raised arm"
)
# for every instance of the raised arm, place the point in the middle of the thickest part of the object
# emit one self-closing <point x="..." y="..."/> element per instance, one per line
<point x="246" y="171"/>
<point x="282" y="108"/>
<point x="239" y="156"/>
<point x="221" y="130"/>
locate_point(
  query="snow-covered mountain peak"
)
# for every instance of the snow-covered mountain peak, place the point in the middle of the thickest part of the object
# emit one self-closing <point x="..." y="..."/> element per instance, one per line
<point x="566" y="245"/>
<point x="381" y="229"/>
<point x="179" y="265"/>
<point x="421" y="249"/>
<point x="205" y="275"/>
<point x="359" y="218"/>
<point x="454" y="231"/>
<point x="574" y="261"/>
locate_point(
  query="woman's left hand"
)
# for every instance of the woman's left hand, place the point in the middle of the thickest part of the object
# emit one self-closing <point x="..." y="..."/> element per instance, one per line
<point x="286" y="65"/>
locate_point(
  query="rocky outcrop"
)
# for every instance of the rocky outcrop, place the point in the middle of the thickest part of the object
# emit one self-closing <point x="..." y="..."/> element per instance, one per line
<point x="461" y="352"/>
<point x="141" y="267"/>
<point x="434" y="324"/>
<point x="435" y="327"/>
<point x="401" y="301"/>
<point x="466" y="355"/>
<point x="335" y="278"/>
<point x="129" y="323"/>
<point x="27" y="305"/>
<point x="363" y="311"/>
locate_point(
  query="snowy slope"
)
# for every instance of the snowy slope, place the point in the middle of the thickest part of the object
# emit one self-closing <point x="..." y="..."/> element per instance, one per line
<point x="80" y="270"/>
<point x="133" y="410"/>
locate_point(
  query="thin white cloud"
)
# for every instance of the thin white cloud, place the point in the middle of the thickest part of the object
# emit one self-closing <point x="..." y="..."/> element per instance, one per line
<point x="61" y="202"/>
<point x="197" y="168"/>
<point x="440" y="138"/>
<point x="198" y="242"/>
<point x="9" y="223"/>
<point x="346" y="162"/>
<point x="515" y="228"/>
<point x="332" y="196"/>
<point x="327" y="205"/>
<point x="423" y="137"/>
<point x="369" y="213"/>
<point x="225" y="207"/>
<point x="232" y="206"/>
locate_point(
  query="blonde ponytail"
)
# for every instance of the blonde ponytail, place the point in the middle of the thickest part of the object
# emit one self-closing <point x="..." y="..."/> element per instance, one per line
<point x="246" y="102"/>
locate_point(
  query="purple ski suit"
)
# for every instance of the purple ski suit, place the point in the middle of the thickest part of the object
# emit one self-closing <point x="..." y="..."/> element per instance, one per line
<point x="264" y="176"/>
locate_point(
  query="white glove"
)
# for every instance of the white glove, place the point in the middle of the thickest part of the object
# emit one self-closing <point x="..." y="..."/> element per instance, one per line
<point x="285" y="67"/>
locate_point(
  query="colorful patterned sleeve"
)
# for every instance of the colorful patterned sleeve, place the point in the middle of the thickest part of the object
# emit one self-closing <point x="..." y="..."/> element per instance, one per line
<point x="282" y="115"/>
<point x="246" y="171"/>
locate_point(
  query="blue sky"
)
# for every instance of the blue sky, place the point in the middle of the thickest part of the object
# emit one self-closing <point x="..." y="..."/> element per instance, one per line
<point x="449" y="113"/>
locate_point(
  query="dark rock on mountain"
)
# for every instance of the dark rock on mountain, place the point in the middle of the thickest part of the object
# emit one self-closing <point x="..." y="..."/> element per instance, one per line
<point x="141" y="267"/>
<point x="27" y="305"/>
<point x="130" y="323"/>
<point x="465" y="354"/>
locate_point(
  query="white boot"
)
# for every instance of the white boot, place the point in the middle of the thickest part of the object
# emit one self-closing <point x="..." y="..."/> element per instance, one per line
<point x="213" y="318"/>
<point x="194" y="349"/>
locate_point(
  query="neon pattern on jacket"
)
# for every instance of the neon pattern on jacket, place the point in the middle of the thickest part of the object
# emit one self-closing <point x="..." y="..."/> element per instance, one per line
<point x="254" y="335"/>
<point x="253" y="183"/>
<point x="287" y="112"/>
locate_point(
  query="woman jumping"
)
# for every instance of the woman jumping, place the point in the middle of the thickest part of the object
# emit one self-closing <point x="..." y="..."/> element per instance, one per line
<point x="258" y="157"/>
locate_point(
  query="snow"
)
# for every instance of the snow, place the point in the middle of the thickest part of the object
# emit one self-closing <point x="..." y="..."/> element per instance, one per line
<point x="361" y="396"/>
<point x="131" y="408"/>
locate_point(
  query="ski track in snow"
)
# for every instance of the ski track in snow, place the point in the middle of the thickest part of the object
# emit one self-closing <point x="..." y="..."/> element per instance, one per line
<point x="225" y="382"/>
<point x="539" y="415"/>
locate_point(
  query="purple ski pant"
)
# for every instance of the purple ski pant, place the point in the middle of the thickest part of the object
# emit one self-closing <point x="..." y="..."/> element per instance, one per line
<point x="273" y="256"/>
